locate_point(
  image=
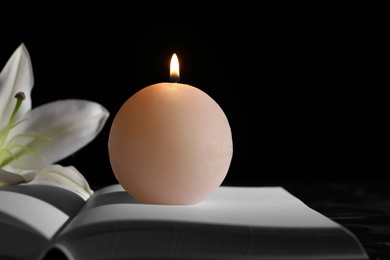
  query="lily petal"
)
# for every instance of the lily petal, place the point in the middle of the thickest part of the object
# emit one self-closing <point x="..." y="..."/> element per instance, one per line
<point x="69" y="125"/>
<point x="17" y="75"/>
<point x="66" y="177"/>
<point x="10" y="178"/>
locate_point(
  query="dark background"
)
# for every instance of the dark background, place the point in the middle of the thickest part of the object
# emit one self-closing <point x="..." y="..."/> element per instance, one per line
<point x="302" y="84"/>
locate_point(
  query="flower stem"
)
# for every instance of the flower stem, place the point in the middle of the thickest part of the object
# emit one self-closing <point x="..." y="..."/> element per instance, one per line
<point x="20" y="97"/>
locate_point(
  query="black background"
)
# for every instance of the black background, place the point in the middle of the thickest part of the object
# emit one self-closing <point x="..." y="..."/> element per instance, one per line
<point x="302" y="84"/>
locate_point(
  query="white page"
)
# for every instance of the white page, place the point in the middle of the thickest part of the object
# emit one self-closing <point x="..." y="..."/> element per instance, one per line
<point x="245" y="206"/>
<point x="41" y="216"/>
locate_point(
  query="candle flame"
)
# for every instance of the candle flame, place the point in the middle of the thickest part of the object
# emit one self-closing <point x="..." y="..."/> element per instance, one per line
<point x="175" y="74"/>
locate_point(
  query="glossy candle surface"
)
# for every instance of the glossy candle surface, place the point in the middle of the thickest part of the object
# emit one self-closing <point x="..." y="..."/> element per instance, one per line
<point x="170" y="143"/>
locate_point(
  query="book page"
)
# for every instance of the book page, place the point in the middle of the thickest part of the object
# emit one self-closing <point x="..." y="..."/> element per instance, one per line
<point x="44" y="208"/>
<point x="37" y="214"/>
<point x="232" y="223"/>
<point x="244" y="206"/>
<point x="31" y="215"/>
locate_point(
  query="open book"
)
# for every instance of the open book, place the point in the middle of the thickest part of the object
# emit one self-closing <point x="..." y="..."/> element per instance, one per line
<point x="232" y="223"/>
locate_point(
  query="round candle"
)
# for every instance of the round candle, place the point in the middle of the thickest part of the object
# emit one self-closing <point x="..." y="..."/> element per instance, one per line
<point x="170" y="143"/>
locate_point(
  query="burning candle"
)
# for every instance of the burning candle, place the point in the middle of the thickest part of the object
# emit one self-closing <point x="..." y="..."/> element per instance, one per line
<point x="170" y="143"/>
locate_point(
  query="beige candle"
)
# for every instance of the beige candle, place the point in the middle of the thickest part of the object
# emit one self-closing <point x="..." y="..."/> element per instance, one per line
<point x="170" y="143"/>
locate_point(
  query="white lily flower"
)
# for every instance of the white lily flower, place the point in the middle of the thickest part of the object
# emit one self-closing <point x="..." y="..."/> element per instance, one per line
<point x="31" y="140"/>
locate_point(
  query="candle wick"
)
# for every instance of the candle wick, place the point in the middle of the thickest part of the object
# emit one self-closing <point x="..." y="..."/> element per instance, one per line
<point x="175" y="79"/>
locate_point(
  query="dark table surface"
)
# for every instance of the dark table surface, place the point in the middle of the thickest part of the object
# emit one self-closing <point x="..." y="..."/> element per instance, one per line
<point x="363" y="208"/>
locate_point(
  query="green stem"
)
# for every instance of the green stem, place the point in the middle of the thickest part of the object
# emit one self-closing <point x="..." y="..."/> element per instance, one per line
<point x="20" y="96"/>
